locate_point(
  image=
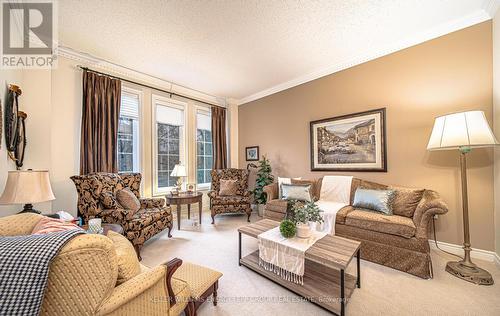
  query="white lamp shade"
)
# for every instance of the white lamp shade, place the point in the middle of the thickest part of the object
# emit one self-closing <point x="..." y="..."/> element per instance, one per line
<point x="179" y="171"/>
<point x="27" y="187"/>
<point x="465" y="129"/>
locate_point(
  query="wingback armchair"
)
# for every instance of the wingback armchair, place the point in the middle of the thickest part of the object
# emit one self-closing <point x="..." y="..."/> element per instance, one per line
<point x="82" y="278"/>
<point x="239" y="203"/>
<point x="150" y="219"/>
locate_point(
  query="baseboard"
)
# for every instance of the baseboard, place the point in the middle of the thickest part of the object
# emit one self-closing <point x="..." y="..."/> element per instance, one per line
<point x="475" y="253"/>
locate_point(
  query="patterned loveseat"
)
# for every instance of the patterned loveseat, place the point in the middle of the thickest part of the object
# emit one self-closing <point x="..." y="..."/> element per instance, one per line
<point x="239" y="203"/>
<point x="152" y="217"/>
<point x="399" y="241"/>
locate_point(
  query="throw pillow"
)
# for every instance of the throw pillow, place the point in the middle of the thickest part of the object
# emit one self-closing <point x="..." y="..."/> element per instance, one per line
<point x="284" y="181"/>
<point x="109" y="201"/>
<point x="228" y="187"/>
<point x="315" y="186"/>
<point x="128" y="200"/>
<point x="406" y="200"/>
<point x="376" y="200"/>
<point x="299" y="192"/>
<point x="48" y="225"/>
<point x="128" y="264"/>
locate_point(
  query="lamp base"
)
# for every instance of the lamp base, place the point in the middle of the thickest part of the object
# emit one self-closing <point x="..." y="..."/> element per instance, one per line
<point x="470" y="272"/>
<point x="28" y="208"/>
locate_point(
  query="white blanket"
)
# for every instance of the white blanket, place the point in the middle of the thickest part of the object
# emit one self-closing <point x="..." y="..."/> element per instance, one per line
<point x="335" y="194"/>
<point x="285" y="256"/>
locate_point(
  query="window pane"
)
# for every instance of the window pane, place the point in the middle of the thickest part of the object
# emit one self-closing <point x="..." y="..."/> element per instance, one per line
<point x="173" y="146"/>
<point x="208" y="178"/>
<point x="208" y="162"/>
<point x="200" y="178"/>
<point x="200" y="148"/>
<point x="128" y="133"/>
<point x="162" y="179"/>
<point x="125" y="125"/>
<point x="208" y="136"/>
<point x="200" y="162"/>
<point x="199" y="135"/>
<point x="208" y="149"/>
<point x="204" y="149"/>
<point x="172" y="161"/>
<point x="173" y="132"/>
<point x="162" y="162"/>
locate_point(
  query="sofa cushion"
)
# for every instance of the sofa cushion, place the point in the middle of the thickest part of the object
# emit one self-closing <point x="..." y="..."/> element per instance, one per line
<point x="228" y="187"/>
<point x="342" y="214"/>
<point x="230" y="200"/>
<point x="358" y="183"/>
<point x="145" y="217"/>
<point x="315" y="186"/>
<point x="406" y="200"/>
<point x="128" y="264"/>
<point x="376" y="200"/>
<point x="128" y="200"/>
<point x="299" y="192"/>
<point x="277" y="205"/>
<point x="374" y="221"/>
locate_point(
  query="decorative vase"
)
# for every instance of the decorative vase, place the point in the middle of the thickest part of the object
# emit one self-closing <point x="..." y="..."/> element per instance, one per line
<point x="303" y="230"/>
<point x="260" y="209"/>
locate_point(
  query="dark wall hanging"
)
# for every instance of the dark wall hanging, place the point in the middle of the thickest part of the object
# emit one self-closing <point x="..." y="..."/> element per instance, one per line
<point x="15" y="129"/>
<point x="353" y="142"/>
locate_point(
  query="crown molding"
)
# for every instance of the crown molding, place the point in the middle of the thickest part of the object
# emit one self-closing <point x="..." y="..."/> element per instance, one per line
<point x="481" y="15"/>
<point x="114" y="69"/>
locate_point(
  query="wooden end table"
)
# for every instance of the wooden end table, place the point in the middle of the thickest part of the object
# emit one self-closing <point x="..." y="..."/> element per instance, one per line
<point x="185" y="198"/>
<point x="325" y="281"/>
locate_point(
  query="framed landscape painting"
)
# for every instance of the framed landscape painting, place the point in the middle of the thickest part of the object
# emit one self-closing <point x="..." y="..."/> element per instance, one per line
<point x="354" y="142"/>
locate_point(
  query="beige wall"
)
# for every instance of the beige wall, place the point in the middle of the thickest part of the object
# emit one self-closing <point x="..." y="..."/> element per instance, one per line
<point x="496" y="118"/>
<point x="448" y="74"/>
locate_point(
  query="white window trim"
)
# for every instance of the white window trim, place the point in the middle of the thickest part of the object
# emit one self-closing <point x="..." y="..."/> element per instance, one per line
<point x="183" y="151"/>
<point x="203" y="110"/>
<point x="140" y="143"/>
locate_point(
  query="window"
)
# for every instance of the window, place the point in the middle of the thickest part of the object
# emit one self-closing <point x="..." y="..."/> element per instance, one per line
<point x="128" y="132"/>
<point x="169" y="145"/>
<point x="204" y="150"/>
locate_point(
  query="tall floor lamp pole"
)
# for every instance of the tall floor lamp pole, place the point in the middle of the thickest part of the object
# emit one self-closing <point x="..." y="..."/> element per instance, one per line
<point x="463" y="131"/>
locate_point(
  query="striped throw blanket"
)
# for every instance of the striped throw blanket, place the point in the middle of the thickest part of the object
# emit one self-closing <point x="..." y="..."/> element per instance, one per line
<point x="24" y="270"/>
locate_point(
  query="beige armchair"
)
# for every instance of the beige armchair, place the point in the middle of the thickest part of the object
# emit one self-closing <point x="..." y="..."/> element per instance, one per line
<point x="82" y="279"/>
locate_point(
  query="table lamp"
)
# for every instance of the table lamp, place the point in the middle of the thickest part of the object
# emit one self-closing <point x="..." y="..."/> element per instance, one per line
<point x="179" y="172"/>
<point x="463" y="131"/>
<point x="27" y="187"/>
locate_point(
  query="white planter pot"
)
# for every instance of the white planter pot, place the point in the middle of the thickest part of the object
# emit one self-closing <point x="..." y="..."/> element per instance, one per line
<point x="303" y="230"/>
<point x="260" y="209"/>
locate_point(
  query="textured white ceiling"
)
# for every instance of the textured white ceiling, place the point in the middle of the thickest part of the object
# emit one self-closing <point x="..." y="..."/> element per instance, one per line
<point x="242" y="48"/>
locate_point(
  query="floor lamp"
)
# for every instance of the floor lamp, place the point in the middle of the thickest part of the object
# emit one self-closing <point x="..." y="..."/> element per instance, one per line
<point x="464" y="131"/>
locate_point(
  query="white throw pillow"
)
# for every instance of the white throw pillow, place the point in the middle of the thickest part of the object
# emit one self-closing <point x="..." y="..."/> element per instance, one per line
<point x="284" y="181"/>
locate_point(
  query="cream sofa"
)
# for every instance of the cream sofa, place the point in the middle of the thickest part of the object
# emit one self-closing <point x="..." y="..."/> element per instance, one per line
<point x="397" y="241"/>
<point x="82" y="278"/>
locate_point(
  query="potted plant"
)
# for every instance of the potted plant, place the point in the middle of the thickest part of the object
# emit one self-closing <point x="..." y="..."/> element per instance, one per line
<point x="304" y="214"/>
<point x="288" y="228"/>
<point x="264" y="177"/>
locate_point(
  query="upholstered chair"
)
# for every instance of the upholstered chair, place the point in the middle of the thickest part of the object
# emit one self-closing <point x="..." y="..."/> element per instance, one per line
<point x="83" y="278"/>
<point x="223" y="204"/>
<point x="96" y="199"/>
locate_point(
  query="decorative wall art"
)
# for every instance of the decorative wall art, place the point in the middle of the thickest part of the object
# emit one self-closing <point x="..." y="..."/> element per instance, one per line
<point x="354" y="142"/>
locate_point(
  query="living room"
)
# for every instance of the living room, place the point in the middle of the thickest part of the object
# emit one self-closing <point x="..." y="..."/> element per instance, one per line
<point x="250" y="157"/>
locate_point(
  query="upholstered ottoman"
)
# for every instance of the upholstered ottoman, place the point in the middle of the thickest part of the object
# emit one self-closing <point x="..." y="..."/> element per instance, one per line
<point x="202" y="282"/>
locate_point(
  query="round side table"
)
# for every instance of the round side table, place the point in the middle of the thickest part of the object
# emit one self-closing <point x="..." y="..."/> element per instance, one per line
<point x="185" y="198"/>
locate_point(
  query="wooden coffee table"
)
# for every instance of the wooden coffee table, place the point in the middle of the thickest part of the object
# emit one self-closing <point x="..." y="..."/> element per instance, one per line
<point x="325" y="281"/>
<point x="185" y="198"/>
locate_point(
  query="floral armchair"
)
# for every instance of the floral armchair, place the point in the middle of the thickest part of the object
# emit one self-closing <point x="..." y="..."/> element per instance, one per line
<point x="93" y="191"/>
<point x="239" y="203"/>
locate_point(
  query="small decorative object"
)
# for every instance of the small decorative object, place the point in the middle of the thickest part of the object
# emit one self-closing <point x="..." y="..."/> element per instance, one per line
<point x="354" y="142"/>
<point x="264" y="177"/>
<point x="288" y="228"/>
<point x="95" y="226"/>
<point x="464" y="131"/>
<point x="191" y="187"/>
<point x="179" y="172"/>
<point x="27" y="187"/>
<point x="252" y="153"/>
<point x="15" y="129"/>
<point x="305" y="213"/>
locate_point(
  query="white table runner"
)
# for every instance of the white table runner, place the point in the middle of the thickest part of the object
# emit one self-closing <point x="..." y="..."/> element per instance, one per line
<point x="285" y="256"/>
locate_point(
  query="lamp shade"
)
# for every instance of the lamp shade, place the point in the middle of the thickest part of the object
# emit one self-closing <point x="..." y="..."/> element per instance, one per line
<point x="465" y="129"/>
<point x="27" y="187"/>
<point x="179" y="171"/>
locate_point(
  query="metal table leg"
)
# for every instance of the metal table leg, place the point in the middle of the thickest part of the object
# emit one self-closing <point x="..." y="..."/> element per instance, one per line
<point x="239" y="248"/>
<point x="342" y="292"/>
<point x="358" y="260"/>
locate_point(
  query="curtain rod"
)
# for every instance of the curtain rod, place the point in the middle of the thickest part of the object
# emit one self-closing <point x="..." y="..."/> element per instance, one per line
<point x="148" y="86"/>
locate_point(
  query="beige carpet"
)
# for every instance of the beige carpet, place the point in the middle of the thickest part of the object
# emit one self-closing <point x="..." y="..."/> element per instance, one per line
<point x="384" y="291"/>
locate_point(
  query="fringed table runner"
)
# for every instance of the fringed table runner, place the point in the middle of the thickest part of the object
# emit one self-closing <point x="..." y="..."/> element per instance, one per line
<point x="285" y="256"/>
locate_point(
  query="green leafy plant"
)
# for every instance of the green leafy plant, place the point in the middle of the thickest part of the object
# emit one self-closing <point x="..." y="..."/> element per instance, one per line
<point x="264" y="177"/>
<point x="306" y="212"/>
<point x="288" y="228"/>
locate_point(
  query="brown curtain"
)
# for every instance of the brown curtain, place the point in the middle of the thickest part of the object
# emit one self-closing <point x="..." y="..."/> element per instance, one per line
<point x="101" y="110"/>
<point x="219" y="137"/>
